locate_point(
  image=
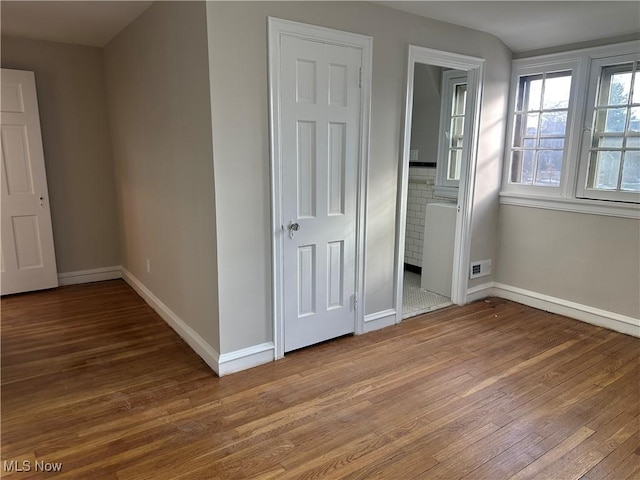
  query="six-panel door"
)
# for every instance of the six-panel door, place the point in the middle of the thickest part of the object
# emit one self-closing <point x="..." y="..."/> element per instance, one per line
<point x="320" y="124"/>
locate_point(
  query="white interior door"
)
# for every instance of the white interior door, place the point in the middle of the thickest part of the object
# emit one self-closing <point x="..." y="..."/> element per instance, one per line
<point x="28" y="257"/>
<point x="320" y="132"/>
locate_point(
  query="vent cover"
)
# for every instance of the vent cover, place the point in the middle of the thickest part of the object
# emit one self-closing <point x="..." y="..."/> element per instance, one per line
<point x="480" y="269"/>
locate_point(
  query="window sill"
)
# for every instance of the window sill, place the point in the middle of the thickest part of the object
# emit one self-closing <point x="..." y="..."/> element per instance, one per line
<point x="575" y="205"/>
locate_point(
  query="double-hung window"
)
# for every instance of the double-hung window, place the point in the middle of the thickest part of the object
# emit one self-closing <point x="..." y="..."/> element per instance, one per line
<point x="610" y="168"/>
<point x="573" y="135"/>
<point x="539" y="127"/>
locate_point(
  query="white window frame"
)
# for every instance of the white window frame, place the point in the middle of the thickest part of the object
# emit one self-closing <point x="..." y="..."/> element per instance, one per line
<point x="542" y="65"/>
<point x="566" y="197"/>
<point x="582" y="190"/>
<point x="445" y="187"/>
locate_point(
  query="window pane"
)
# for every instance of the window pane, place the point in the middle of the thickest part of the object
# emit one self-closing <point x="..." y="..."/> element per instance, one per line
<point x="529" y="143"/>
<point x="522" y="166"/>
<point x="553" y="123"/>
<point x="556" y="91"/>
<point x="619" y="88"/>
<point x="610" y="142"/>
<point x="453" y="172"/>
<point x="552" y="143"/>
<point x="615" y="119"/>
<point x="534" y="92"/>
<point x="460" y="99"/>
<point x="531" y="128"/>
<point x="636" y="88"/>
<point x="549" y="167"/>
<point x="633" y="142"/>
<point x="526" y="126"/>
<point x="457" y="126"/>
<point x="634" y="120"/>
<point x="631" y="171"/>
<point x="605" y="170"/>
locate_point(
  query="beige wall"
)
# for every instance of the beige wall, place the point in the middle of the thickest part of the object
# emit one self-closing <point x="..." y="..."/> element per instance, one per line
<point x="159" y="110"/>
<point x="77" y="151"/>
<point x="238" y="71"/>
<point x="588" y="259"/>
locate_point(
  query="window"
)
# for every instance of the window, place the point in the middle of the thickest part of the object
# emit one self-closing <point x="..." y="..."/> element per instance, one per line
<point x="451" y="137"/>
<point x="573" y="138"/>
<point x="612" y="155"/>
<point x="455" y="134"/>
<point x="540" y="125"/>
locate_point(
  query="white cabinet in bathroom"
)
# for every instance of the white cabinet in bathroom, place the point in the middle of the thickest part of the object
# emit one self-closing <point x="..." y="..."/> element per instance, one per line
<point x="437" y="255"/>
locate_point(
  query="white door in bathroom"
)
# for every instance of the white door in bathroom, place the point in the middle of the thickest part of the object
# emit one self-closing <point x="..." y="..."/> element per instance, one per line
<point x="28" y="259"/>
<point x="320" y="115"/>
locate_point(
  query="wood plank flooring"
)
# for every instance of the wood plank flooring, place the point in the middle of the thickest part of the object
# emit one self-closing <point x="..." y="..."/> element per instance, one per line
<point x="94" y="380"/>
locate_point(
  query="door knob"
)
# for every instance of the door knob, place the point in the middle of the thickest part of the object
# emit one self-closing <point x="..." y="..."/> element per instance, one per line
<point x="293" y="228"/>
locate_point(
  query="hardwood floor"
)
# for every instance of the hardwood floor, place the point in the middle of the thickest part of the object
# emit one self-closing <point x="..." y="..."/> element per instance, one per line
<point x="92" y="378"/>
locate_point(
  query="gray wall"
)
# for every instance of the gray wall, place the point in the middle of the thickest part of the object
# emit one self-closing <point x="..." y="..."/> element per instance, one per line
<point x="77" y="152"/>
<point x="160" y="117"/>
<point x="238" y="71"/>
<point x="425" y="121"/>
<point x="593" y="260"/>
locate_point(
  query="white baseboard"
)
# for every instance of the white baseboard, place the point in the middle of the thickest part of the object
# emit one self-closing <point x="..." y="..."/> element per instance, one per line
<point x="193" y="339"/>
<point x="245" y="358"/>
<point x="479" y="292"/>
<point x="88" y="276"/>
<point x="375" y="321"/>
<point x="602" y="318"/>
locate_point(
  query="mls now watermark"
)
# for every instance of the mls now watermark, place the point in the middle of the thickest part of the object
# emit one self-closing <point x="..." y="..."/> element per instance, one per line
<point x="29" y="466"/>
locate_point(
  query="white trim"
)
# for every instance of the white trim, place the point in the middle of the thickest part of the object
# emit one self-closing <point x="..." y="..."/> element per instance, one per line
<point x="378" y="320"/>
<point x="462" y="248"/>
<point x="575" y="205"/>
<point x="479" y="292"/>
<point x="578" y="311"/>
<point x="193" y="339"/>
<point x="593" y="52"/>
<point x="91" y="275"/>
<point x="245" y="358"/>
<point x="276" y="29"/>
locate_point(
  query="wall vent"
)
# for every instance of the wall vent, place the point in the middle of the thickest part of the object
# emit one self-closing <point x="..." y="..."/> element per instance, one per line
<point x="480" y="269"/>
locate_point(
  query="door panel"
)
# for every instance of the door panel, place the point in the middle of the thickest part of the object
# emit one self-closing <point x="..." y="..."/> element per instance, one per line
<point x="320" y="125"/>
<point x="28" y="256"/>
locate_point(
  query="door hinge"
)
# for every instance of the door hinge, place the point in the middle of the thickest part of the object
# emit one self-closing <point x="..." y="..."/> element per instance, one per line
<point x="355" y="301"/>
<point x="360" y="78"/>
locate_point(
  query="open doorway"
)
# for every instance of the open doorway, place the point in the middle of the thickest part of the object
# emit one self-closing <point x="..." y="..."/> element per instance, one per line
<point x="436" y="180"/>
<point x="435" y="159"/>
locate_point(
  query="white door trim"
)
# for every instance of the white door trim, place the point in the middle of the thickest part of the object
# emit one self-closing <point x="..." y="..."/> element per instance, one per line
<point x="276" y="29"/>
<point x="462" y="247"/>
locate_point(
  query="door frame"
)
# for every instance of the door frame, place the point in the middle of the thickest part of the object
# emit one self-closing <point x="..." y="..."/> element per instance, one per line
<point x="277" y="28"/>
<point x="462" y="245"/>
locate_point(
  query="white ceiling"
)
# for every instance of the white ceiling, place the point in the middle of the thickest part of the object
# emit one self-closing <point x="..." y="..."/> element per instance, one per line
<point x="525" y="26"/>
<point x="78" y="22"/>
<point x="521" y="25"/>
